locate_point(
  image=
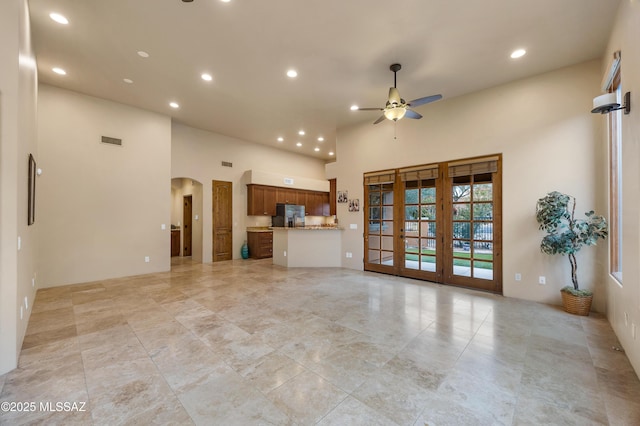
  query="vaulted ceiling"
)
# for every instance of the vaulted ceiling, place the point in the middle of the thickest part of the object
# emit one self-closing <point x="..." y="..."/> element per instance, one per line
<point x="341" y="50"/>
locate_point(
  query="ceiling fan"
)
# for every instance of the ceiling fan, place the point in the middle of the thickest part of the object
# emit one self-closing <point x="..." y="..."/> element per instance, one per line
<point x="396" y="107"/>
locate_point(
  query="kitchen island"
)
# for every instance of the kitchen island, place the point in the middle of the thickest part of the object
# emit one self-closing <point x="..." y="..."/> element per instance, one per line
<point x="310" y="247"/>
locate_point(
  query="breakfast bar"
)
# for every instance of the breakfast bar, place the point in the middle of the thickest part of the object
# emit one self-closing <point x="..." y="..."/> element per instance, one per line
<point x="310" y="246"/>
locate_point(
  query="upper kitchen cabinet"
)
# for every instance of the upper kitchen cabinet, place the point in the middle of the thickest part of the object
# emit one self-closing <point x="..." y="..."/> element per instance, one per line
<point x="317" y="203"/>
<point x="261" y="200"/>
<point x="287" y="196"/>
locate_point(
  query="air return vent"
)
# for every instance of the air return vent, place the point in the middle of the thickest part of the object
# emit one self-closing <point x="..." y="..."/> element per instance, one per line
<point x="112" y="141"/>
<point x="227" y="164"/>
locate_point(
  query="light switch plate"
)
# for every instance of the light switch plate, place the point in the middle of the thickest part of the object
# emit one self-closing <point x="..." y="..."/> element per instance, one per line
<point x="353" y="226"/>
<point x="163" y="226"/>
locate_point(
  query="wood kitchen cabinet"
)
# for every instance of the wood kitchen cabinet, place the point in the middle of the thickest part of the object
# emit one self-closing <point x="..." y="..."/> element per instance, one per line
<point x="261" y="200"/>
<point x="290" y="196"/>
<point x="260" y="244"/>
<point x="316" y="203"/>
<point x="175" y="242"/>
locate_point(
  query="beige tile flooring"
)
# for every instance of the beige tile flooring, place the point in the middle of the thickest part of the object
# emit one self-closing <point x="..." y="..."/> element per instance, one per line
<point x="246" y="342"/>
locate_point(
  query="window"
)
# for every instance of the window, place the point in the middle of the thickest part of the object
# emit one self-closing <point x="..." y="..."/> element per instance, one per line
<point x="615" y="178"/>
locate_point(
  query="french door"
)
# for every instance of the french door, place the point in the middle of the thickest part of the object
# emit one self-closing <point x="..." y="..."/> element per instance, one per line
<point x="437" y="222"/>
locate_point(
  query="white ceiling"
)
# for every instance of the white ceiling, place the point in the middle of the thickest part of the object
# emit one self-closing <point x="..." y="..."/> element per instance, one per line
<point x="341" y="49"/>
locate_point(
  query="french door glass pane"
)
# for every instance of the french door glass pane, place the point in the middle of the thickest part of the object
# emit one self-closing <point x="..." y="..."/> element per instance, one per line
<point x="482" y="192"/>
<point x="374" y="242"/>
<point x="462" y="267"/>
<point x="428" y="212"/>
<point x="428" y="229"/>
<point x="387" y="228"/>
<point x="427" y="195"/>
<point x="411" y="212"/>
<point x="387" y="212"/>
<point x="482" y="211"/>
<point x="428" y="263"/>
<point x="482" y="270"/>
<point x="461" y="212"/>
<point x="461" y="192"/>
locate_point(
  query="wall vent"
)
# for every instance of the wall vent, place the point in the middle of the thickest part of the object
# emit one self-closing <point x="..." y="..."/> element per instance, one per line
<point x="227" y="164"/>
<point x="112" y="141"/>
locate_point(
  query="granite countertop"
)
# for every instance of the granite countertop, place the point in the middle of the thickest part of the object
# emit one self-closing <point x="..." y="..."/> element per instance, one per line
<point x="258" y="229"/>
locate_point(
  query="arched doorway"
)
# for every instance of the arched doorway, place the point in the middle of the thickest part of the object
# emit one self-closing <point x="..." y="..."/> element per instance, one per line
<point x="186" y="199"/>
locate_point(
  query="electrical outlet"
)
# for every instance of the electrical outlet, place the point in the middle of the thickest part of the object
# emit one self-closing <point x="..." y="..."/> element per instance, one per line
<point x="285" y="253"/>
<point x="163" y="226"/>
<point x="542" y="280"/>
<point x="26" y="303"/>
<point x="518" y="276"/>
<point x="626" y="319"/>
<point x="33" y="282"/>
<point x="349" y="254"/>
<point x="147" y="259"/>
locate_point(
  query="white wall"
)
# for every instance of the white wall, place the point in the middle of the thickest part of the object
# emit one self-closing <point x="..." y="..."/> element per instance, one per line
<point x="101" y="206"/>
<point x="198" y="154"/>
<point x="625" y="298"/>
<point x="549" y="141"/>
<point x="18" y="93"/>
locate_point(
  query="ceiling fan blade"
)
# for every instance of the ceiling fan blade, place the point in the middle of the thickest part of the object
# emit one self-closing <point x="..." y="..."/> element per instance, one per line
<point x="382" y="117"/>
<point x="394" y="96"/>
<point x="421" y="101"/>
<point x="412" y="114"/>
<point x="370" y="109"/>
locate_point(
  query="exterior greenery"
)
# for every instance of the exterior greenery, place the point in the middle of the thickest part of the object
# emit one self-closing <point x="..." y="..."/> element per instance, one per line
<point x="566" y="235"/>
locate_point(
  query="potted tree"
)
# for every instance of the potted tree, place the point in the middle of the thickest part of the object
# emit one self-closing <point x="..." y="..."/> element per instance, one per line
<point x="566" y="235"/>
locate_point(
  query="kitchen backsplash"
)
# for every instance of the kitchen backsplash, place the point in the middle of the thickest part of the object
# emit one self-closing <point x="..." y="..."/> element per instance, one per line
<point x="308" y="220"/>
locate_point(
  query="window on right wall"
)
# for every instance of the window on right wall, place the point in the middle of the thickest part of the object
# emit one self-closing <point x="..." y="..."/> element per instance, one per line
<point x="615" y="176"/>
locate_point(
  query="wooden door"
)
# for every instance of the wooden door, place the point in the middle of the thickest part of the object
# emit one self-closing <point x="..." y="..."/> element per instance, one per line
<point x="473" y="223"/>
<point x="222" y="221"/>
<point x="186" y="219"/>
<point x="380" y="234"/>
<point x="439" y="222"/>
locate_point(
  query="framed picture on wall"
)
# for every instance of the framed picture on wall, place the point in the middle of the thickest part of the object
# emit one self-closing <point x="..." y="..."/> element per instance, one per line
<point x="354" y="205"/>
<point x="31" y="207"/>
<point x="343" y="196"/>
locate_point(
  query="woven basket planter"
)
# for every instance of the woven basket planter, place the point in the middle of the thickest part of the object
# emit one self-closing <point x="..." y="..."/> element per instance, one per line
<point x="576" y="305"/>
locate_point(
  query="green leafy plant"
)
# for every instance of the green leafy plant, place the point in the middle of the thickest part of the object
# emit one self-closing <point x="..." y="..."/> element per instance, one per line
<point x="566" y="235"/>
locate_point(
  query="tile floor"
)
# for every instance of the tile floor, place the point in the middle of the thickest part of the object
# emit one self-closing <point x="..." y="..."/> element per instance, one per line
<point x="246" y="342"/>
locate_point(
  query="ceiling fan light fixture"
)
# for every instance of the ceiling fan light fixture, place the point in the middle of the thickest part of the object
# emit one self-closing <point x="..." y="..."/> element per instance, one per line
<point x="395" y="113"/>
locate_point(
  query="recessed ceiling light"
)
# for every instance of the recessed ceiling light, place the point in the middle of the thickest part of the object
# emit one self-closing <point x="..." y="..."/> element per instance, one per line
<point x="174" y="105"/>
<point x="60" y="19"/>
<point x="518" y="53"/>
<point x="301" y="132"/>
<point x="225" y="1"/>
<point x="330" y="152"/>
<point x="316" y="149"/>
<point x="206" y="77"/>
<point x="292" y="73"/>
<point x="59" y="71"/>
<point x="143" y="54"/>
<point x="320" y="139"/>
<point x="127" y="80"/>
<point x="280" y="139"/>
<point x="299" y="144"/>
<point x="354" y="107"/>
